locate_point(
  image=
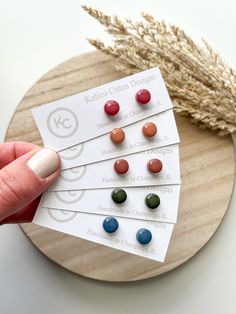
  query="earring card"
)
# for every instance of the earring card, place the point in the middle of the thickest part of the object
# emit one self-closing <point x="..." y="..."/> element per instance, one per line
<point x="99" y="201"/>
<point x="102" y="174"/>
<point x="89" y="227"/>
<point x="103" y="148"/>
<point x="80" y="117"/>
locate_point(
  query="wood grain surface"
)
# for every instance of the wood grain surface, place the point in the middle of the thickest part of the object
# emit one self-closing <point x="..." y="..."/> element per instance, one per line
<point x="207" y="173"/>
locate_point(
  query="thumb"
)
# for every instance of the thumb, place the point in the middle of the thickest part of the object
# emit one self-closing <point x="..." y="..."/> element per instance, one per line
<point x="26" y="178"/>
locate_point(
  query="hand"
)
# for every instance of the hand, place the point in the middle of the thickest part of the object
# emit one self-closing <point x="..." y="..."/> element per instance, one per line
<point x="26" y="171"/>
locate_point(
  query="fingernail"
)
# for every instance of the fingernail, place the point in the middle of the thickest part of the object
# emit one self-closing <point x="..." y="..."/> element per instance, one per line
<point x="44" y="162"/>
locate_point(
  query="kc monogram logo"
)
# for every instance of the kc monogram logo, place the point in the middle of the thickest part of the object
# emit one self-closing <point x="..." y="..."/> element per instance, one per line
<point x="72" y="152"/>
<point x="73" y="174"/>
<point x="69" y="196"/>
<point x="61" y="215"/>
<point x="62" y="122"/>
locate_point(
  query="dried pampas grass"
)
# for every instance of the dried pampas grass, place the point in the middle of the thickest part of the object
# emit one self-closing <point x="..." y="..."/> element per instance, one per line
<point x="201" y="85"/>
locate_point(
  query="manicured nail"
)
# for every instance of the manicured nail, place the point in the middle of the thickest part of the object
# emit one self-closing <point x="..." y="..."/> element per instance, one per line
<point x="44" y="162"/>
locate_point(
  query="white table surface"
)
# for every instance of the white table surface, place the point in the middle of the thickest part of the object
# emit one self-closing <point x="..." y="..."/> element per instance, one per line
<point x="37" y="35"/>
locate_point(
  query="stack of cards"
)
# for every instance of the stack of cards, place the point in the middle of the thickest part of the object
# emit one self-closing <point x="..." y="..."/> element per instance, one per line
<point x="120" y="179"/>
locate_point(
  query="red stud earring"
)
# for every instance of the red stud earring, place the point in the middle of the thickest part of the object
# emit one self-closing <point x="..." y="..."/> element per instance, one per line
<point x="121" y="166"/>
<point x="143" y="96"/>
<point x="154" y="165"/>
<point x="111" y="107"/>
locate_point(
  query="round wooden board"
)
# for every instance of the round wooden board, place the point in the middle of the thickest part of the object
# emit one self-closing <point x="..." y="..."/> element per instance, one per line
<point x="207" y="172"/>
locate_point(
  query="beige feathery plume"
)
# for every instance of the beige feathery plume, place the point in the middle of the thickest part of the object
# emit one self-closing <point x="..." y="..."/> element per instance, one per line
<point x="201" y="85"/>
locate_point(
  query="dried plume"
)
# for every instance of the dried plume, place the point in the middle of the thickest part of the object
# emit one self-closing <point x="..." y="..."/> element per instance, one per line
<point x="201" y="85"/>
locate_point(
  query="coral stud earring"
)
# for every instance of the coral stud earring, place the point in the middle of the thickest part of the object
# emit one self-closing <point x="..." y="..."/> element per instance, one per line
<point x="149" y="129"/>
<point x="111" y="107"/>
<point x="117" y="136"/>
<point x="143" y="96"/>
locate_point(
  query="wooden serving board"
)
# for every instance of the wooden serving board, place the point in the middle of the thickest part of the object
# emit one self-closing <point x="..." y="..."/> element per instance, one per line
<point x="207" y="172"/>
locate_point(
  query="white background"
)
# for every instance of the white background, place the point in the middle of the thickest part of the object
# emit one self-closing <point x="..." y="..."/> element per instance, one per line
<point x="37" y="35"/>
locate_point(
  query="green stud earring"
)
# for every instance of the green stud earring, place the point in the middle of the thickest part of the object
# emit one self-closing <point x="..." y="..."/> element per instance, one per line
<point x="152" y="200"/>
<point x="119" y="196"/>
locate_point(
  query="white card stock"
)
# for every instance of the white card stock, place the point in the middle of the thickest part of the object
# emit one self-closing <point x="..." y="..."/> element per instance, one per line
<point x="80" y="117"/>
<point x="102" y="147"/>
<point x="99" y="201"/>
<point x="102" y="174"/>
<point x="89" y="227"/>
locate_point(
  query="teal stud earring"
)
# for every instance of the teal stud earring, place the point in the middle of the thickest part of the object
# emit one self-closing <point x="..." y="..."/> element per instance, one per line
<point x="110" y="224"/>
<point x="144" y="236"/>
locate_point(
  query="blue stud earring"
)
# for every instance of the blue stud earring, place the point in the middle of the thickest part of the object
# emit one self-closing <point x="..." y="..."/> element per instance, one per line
<point x="144" y="236"/>
<point x="110" y="224"/>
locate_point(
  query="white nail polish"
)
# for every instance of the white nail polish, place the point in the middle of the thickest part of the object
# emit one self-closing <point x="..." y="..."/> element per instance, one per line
<point x="44" y="162"/>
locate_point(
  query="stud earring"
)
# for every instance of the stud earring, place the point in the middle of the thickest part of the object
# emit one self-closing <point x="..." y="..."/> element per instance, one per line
<point x="149" y="129"/>
<point x="121" y="166"/>
<point x="144" y="236"/>
<point x="143" y="96"/>
<point x="154" y="165"/>
<point x="119" y="196"/>
<point x="111" y="107"/>
<point x="152" y="200"/>
<point x="110" y="224"/>
<point x="117" y="136"/>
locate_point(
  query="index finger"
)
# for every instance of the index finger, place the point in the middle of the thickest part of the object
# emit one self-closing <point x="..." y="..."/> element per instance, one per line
<point x="12" y="150"/>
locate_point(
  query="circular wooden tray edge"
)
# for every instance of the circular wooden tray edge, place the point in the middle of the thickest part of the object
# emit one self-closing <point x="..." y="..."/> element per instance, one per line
<point x="91" y="276"/>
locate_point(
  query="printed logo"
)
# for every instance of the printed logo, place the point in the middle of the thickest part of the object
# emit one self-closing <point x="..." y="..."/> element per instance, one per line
<point x="72" y="152"/>
<point x="62" y="122"/>
<point x="69" y="197"/>
<point x="73" y="174"/>
<point x="61" y="215"/>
